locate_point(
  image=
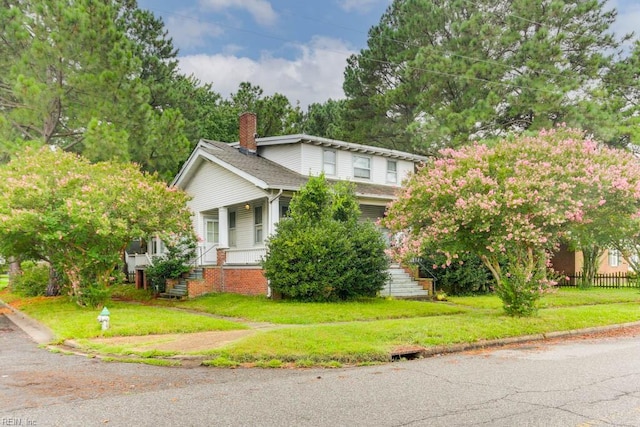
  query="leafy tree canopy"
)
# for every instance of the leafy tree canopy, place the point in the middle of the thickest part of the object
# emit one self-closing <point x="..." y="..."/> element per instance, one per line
<point x="78" y="216"/>
<point x="512" y="204"/>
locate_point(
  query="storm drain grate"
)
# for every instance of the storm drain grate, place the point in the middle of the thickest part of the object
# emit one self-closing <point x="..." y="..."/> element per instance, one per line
<point x="407" y="353"/>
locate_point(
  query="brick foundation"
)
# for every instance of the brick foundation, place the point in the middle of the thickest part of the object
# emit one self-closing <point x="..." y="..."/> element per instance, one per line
<point x="197" y="287"/>
<point x="245" y="281"/>
<point x="237" y="280"/>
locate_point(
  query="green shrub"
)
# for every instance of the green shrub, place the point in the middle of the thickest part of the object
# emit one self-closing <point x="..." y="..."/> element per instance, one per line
<point x="522" y="287"/>
<point x="32" y="280"/>
<point x="470" y="277"/>
<point x="94" y="295"/>
<point x="173" y="264"/>
<point x="321" y="252"/>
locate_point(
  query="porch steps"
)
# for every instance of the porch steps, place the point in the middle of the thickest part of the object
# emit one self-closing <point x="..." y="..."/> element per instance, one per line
<point x="402" y="286"/>
<point x="179" y="290"/>
<point x="195" y="274"/>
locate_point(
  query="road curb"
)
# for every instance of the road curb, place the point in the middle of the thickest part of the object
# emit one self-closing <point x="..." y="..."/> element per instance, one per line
<point x="457" y="348"/>
<point x="36" y="330"/>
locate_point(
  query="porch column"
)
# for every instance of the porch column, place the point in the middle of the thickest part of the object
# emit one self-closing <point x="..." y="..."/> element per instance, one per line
<point x="274" y="215"/>
<point x="223" y="227"/>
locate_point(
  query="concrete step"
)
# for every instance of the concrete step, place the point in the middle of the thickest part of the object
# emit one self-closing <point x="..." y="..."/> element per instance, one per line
<point x="196" y="273"/>
<point x="402" y="285"/>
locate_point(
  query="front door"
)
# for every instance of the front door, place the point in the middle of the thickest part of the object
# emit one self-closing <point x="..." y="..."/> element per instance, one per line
<point x="211" y="240"/>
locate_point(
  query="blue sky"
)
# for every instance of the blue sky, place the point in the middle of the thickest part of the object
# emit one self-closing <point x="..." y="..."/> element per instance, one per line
<point x="294" y="47"/>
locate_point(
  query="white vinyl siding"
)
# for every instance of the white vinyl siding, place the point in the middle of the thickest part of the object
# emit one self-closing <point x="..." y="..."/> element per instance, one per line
<point x="213" y="187"/>
<point x="308" y="159"/>
<point x="289" y="155"/>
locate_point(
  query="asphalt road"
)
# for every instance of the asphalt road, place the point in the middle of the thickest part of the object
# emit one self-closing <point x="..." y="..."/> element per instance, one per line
<point x="580" y="382"/>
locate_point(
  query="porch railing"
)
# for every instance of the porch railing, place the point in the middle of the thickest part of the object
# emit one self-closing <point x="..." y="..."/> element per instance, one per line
<point x="203" y="253"/>
<point x="137" y="260"/>
<point x="245" y="256"/>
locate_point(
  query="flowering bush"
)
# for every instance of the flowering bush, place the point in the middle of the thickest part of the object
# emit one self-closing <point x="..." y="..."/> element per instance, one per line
<point x="513" y="203"/>
<point x="79" y="217"/>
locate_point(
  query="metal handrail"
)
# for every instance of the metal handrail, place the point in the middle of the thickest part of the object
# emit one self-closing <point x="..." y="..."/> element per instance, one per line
<point x="196" y="261"/>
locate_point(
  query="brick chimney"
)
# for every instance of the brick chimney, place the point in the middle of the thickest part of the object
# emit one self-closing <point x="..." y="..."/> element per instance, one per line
<point x="248" y="129"/>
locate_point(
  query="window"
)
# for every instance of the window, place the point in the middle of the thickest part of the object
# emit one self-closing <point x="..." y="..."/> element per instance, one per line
<point x="257" y="224"/>
<point x="284" y="211"/>
<point x="392" y="171"/>
<point x="157" y="246"/>
<point x="329" y="162"/>
<point x="614" y="258"/>
<point x="212" y="231"/>
<point x="362" y="167"/>
<point x="232" y="228"/>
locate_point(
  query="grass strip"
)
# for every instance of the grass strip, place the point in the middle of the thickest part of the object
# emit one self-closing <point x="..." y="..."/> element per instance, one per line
<point x="261" y="309"/>
<point x="70" y="321"/>
<point x="374" y="341"/>
<point x="563" y="297"/>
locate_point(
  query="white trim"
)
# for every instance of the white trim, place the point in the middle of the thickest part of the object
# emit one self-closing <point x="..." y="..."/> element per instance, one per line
<point x="199" y="153"/>
<point x="349" y="146"/>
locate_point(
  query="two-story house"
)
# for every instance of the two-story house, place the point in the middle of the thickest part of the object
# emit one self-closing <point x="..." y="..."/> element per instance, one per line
<point x="241" y="190"/>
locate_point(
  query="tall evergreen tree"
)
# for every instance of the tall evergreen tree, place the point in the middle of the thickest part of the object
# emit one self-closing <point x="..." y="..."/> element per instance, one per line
<point x="276" y="115"/>
<point x="326" y="120"/>
<point x="439" y="72"/>
<point x="72" y="77"/>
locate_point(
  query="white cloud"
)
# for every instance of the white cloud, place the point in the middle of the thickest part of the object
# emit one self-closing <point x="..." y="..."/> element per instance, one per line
<point x="261" y="10"/>
<point x="188" y="32"/>
<point x="314" y="75"/>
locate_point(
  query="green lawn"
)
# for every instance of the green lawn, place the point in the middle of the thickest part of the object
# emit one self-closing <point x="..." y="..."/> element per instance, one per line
<point x="373" y="341"/>
<point x="4" y="281"/>
<point x="332" y="334"/>
<point x="70" y="321"/>
<point x="561" y="297"/>
<point x="262" y="309"/>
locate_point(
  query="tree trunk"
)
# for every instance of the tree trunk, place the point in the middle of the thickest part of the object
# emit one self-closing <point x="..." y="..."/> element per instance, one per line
<point x="14" y="269"/>
<point x="53" y="288"/>
<point x="591" y="254"/>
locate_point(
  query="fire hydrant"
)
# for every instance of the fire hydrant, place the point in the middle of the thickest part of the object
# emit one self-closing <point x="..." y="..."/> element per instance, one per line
<point x="103" y="318"/>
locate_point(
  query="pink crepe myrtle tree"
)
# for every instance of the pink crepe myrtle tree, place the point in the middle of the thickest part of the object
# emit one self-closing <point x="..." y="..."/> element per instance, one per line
<point x="79" y="217"/>
<point x="513" y="203"/>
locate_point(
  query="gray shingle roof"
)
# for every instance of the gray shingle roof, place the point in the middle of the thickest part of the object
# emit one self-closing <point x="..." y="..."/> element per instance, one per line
<point x="277" y="176"/>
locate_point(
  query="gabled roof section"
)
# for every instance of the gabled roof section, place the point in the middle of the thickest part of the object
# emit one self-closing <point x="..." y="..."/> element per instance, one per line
<point x="334" y="143"/>
<point x="262" y="172"/>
